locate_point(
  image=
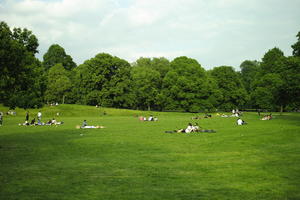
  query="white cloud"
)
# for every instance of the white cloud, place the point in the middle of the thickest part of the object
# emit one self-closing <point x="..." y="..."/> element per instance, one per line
<point x="216" y="32"/>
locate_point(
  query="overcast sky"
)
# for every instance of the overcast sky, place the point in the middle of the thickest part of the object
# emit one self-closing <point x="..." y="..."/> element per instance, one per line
<point x="214" y="32"/>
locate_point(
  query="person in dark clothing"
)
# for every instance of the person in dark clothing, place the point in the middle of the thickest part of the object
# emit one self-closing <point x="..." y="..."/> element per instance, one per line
<point x="27" y="116"/>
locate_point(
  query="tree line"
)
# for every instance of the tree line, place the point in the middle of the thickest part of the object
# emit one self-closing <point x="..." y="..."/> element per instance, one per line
<point x="147" y="84"/>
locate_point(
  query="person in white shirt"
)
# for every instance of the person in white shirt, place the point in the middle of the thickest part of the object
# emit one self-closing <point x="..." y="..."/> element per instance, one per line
<point x="240" y="122"/>
<point x="39" y="115"/>
<point x="150" y="118"/>
<point x="190" y="128"/>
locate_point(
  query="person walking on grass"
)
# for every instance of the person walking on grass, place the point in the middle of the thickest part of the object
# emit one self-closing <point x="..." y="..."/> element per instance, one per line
<point x="1" y="118"/>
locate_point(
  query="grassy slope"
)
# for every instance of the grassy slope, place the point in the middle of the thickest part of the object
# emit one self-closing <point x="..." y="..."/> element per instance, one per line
<point x="137" y="160"/>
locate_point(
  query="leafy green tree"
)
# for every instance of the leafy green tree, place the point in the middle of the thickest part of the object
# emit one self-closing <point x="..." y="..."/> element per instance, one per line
<point x="249" y="70"/>
<point x="296" y="46"/>
<point x="272" y="67"/>
<point x="186" y="87"/>
<point x="20" y="71"/>
<point x="118" y="91"/>
<point x="273" y="61"/>
<point x="291" y="78"/>
<point x="145" y="87"/>
<point x="26" y="39"/>
<point x="162" y="65"/>
<point x="56" y="54"/>
<point x="267" y="91"/>
<point x="58" y="84"/>
<point x="230" y="84"/>
<point x="94" y="75"/>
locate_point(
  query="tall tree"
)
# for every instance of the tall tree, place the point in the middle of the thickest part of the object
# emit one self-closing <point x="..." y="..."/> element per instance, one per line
<point x="296" y="46"/>
<point x="291" y="78"/>
<point x="145" y="87"/>
<point x="20" y="71"/>
<point x="230" y="84"/>
<point x="267" y="91"/>
<point x="162" y="65"/>
<point x="93" y="76"/>
<point x="56" y="54"/>
<point x="273" y="61"/>
<point x="186" y="87"/>
<point x="249" y="70"/>
<point x="271" y="78"/>
<point x="58" y="84"/>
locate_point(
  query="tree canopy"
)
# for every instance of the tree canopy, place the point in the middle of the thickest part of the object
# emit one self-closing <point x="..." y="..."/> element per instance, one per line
<point x="20" y="71"/>
<point x="55" y="55"/>
<point x="181" y="84"/>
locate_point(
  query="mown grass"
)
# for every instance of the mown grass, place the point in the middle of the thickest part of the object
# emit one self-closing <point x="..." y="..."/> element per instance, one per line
<point x="130" y="159"/>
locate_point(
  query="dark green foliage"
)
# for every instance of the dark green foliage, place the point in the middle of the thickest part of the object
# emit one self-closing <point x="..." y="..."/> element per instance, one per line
<point x="279" y="77"/>
<point x="273" y="61"/>
<point x="147" y="77"/>
<point x="249" y="70"/>
<point x="55" y="55"/>
<point x="291" y="79"/>
<point x="149" y="84"/>
<point x="100" y="75"/>
<point x="230" y="84"/>
<point x="267" y="91"/>
<point x="146" y="87"/>
<point x="20" y="71"/>
<point x="58" y="84"/>
<point x="26" y="39"/>
<point x="186" y="87"/>
<point x="296" y="46"/>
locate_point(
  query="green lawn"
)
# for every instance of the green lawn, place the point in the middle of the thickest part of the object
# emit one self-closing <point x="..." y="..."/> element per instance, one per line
<point x="136" y="160"/>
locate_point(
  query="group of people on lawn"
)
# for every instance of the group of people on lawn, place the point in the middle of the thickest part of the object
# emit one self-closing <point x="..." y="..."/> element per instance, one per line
<point x="150" y="118"/>
<point x="189" y="129"/>
<point x="39" y="122"/>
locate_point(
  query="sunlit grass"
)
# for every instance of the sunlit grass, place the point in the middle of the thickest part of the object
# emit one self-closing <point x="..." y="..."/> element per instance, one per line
<point x="130" y="159"/>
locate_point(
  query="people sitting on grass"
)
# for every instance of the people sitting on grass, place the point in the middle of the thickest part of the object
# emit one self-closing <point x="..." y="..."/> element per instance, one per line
<point x="40" y="123"/>
<point x="207" y="115"/>
<point x="150" y="118"/>
<point x="54" y="122"/>
<point x="191" y="129"/>
<point x="26" y="123"/>
<point x="85" y="125"/>
<point x="267" y="117"/>
<point x="32" y="123"/>
<point x="240" y="122"/>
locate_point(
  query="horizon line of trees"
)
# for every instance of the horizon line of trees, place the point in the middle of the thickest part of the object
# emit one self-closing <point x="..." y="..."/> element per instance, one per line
<point x="147" y="84"/>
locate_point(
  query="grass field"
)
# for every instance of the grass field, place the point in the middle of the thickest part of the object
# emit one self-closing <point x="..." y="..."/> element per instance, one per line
<point x="136" y="160"/>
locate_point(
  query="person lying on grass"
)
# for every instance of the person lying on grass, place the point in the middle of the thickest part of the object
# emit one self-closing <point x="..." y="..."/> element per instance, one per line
<point x="84" y="125"/>
<point x="190" y="129"/>
<point x="267" y="117"/>
<point x="53" y="122"/>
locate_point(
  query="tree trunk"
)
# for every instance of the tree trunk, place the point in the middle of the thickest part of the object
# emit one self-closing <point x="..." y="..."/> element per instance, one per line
<point x="281" y="109"/>
<point x="63" y="99"/>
